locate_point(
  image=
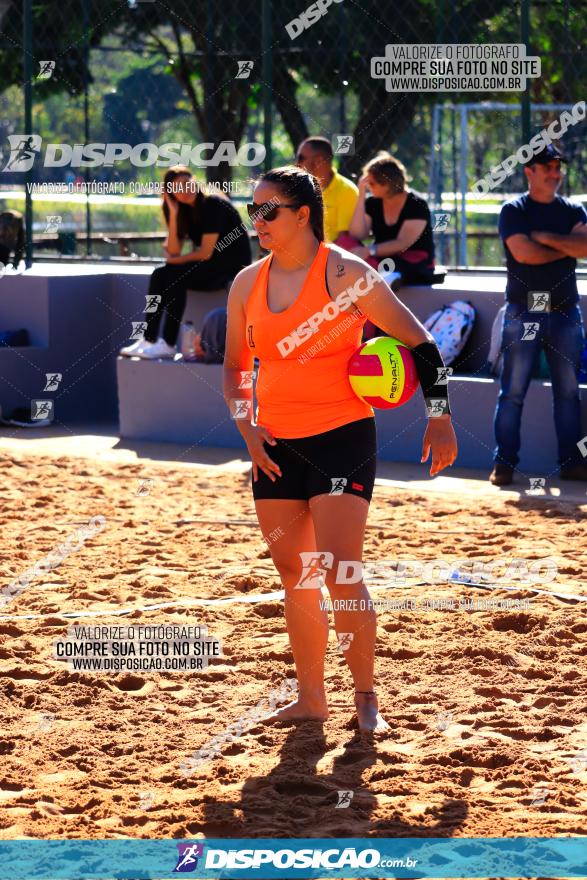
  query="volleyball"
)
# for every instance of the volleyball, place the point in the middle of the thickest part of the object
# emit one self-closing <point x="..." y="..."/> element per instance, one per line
<point x="382" y="372"/>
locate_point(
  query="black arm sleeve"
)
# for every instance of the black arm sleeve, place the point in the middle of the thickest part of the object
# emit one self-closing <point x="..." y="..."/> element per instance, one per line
<point x="431" y="369"/>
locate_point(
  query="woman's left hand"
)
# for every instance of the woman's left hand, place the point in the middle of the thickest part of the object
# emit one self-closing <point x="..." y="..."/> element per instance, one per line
<point x="439" y="437"/>
<point x="169" y="258"/>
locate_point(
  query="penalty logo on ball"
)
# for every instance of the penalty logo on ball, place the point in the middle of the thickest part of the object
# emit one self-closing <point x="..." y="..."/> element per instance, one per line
<point x="394" y="369"/>
<point x="382" y="372"/>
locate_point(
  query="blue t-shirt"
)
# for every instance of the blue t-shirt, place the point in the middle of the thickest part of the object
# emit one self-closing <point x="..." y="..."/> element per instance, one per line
<point x="524" y="215"/>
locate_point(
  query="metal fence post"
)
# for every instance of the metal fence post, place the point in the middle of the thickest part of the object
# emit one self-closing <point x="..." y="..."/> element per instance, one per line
<point x="463" y="261"/>
<point x="209" y="84"/>
<point x="525" y="38"/>
<point x="267" y="74"/>
<point x="28" y="123"/>
<point x="88" y="174"/>
<point x="342" y="80"/>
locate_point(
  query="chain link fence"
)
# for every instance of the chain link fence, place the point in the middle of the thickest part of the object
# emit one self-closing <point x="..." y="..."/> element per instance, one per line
<point x="194" y="72"/>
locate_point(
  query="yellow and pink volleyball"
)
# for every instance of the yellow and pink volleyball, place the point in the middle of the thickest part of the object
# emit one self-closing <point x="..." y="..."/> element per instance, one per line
<point x="382" y="372"/>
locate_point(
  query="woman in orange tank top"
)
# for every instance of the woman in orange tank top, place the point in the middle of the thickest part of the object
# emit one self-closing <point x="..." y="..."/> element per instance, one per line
<point x="313" y="442"/>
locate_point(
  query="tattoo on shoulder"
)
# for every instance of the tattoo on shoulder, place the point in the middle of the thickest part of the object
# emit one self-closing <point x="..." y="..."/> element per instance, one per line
<point x="340" y="269"/>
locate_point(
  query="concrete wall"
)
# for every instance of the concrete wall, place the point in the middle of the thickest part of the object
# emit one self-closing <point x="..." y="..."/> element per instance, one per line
<point x="78" y="319"/>
<point x="69" y="320"/>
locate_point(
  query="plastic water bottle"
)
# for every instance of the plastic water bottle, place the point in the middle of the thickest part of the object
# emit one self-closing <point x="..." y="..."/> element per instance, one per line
<point x="187" y="341"/>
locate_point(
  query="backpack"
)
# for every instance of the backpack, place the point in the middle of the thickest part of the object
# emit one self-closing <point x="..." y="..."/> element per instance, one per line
<point x="213" y="336"/>
<point x="451" y="327"/>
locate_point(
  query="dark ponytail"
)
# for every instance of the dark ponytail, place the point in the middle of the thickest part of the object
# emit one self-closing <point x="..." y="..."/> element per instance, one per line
<point x="300" y="188"/>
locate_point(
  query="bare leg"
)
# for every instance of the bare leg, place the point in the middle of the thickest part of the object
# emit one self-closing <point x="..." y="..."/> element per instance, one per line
<point x="339" y="525"/>
<point x="307" y="623"/>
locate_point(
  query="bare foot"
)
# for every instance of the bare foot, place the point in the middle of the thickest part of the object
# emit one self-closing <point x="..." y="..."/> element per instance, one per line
<point x="301" y="709"/>
<point x="368" y="713"/>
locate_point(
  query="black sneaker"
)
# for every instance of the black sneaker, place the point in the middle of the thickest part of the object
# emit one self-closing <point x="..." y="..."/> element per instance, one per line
<point x="574" y="472"/>
<point x="21" y="418"/>
<point x="501" y="475"/>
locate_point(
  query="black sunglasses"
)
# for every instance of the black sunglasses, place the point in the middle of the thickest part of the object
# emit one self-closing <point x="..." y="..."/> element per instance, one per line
<point x="265" y="210"/>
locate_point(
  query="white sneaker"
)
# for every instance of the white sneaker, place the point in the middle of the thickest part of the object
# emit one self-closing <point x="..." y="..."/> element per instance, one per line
<point x="135" y="349"/>
<point x="159" y="349"/>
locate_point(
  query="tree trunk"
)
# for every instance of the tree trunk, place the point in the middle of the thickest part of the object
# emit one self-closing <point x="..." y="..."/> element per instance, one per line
<point x="284" y="98"/>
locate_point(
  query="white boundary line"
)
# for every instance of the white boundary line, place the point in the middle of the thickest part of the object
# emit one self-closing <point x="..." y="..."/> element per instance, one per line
<point x="269" y="597"/>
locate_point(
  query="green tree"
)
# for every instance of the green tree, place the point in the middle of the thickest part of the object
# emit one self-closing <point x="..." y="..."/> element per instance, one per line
<point x="199" y="43"/>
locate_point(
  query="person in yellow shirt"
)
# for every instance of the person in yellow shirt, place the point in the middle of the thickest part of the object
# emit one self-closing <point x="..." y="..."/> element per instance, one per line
<point x="339" y="194"/>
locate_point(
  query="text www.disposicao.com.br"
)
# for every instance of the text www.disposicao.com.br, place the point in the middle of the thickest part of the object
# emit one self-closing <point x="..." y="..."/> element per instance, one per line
<point x="135" y="664"/>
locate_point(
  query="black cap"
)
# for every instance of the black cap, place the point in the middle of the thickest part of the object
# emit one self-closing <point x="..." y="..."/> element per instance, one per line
<point x="547" y="154"/>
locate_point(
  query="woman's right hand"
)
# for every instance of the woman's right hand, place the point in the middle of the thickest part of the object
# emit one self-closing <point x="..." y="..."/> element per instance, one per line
<point x="363" y="184"/>
<point x="172" y="203"/>
<point x="255" y="438"/>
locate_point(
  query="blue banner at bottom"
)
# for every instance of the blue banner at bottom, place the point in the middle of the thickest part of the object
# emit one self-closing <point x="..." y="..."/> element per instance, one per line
<point x="288" y="858"/>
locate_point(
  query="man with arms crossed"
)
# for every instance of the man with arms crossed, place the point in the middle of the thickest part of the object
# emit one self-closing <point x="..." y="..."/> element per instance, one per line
<point x="543" y="235"/>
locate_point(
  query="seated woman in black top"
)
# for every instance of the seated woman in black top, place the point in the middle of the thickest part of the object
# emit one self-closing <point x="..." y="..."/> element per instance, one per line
<point x="221" y="249"/>
<point x="398" y="219"/>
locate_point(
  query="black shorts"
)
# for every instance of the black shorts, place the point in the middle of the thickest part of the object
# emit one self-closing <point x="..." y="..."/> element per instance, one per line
<point x="339" y="461"/>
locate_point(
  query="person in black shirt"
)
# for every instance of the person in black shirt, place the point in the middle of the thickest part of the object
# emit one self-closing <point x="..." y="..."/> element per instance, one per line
<point x="221" y="250"/>
<point x="398" y="219"/>
<point x="543" y="234"/>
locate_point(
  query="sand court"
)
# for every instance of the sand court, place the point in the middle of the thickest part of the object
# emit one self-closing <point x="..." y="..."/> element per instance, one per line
<point x="486" y="705"/>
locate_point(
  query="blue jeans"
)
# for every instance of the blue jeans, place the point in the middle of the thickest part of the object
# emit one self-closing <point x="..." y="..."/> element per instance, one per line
<point x="561" y="337"/>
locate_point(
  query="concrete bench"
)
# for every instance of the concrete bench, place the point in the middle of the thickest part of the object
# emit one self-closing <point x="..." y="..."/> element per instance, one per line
<point x="71" y="320"/>
<point x="196" y="415"/>
<point x="79" y="316"/>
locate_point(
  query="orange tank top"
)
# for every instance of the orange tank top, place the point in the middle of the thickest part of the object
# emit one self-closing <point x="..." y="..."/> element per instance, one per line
<point x="303" y="351"/>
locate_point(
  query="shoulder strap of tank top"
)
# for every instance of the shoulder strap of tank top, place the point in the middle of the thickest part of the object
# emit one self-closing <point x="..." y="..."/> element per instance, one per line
<point x="318" y="272"/>
<point x="260" y="283"/>
<point x="319" y="266"/>
<point x="325" y="251"/>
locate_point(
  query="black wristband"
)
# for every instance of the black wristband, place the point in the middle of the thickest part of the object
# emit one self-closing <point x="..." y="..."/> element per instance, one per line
<point x="433" y="377"/>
